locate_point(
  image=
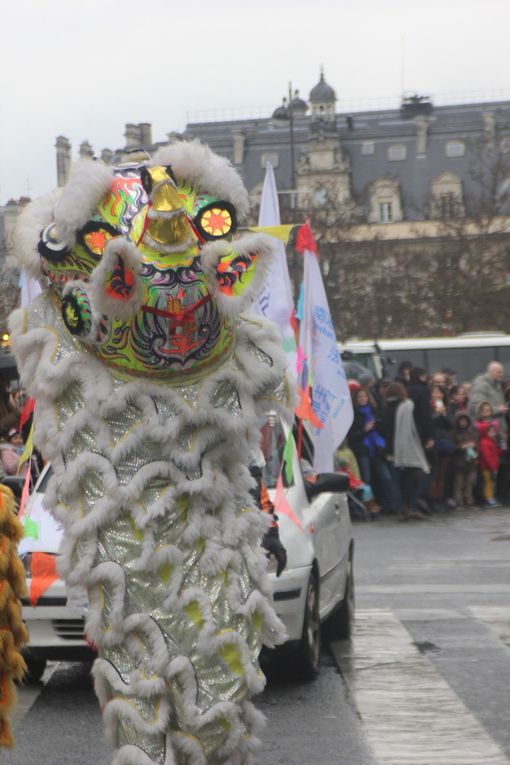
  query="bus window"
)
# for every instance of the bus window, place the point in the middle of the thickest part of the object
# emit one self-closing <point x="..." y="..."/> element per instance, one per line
<point x="503" y="354"/>
<point x="416" y="357"/>
<point x="467" y="363"/>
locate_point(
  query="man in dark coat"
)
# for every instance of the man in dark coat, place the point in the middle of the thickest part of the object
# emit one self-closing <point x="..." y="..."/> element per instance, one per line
<point x="418" y="392"/>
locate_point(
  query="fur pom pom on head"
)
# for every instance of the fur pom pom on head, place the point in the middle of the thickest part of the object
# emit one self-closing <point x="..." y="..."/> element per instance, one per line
<point x="32" y="220"/>
<point x="80" y="196"/>
<point x="195" y="163"/>
<point x="115" y="286"/>
<point x="236" y="271"/>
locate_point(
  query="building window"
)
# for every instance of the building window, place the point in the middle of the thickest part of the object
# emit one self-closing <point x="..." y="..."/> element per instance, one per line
<point x="446" y="198"/>
<point x="397" y="153"/>
<point x="447" y="204"/>
<point x="269" y="156"/>
<point x="368" y="147"/>
<point x="385" y="212"/>
<point x="455" y="148"/>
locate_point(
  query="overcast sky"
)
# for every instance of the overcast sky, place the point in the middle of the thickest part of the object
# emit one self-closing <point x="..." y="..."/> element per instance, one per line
<point x="83" y="69"/>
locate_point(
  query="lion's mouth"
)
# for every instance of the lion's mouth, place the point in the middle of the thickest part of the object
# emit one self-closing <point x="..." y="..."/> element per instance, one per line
<point x="176" y="317"/>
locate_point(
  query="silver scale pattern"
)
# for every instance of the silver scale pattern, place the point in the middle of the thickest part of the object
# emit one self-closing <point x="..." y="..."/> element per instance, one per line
<point x="128" y="546"/>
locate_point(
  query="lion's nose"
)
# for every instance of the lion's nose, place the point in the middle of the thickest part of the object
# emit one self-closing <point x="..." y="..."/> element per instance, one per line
<point x="168" y="229"/>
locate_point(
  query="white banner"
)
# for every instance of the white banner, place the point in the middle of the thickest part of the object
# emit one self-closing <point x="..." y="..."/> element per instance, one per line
<point x="317" y="340"/>
<point x="275" y="299"/>
<point x="30" y="288"/>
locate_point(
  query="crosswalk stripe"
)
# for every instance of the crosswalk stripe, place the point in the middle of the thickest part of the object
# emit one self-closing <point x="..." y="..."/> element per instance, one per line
<point x="26" y="695"/>
<point x="410" y="714"/>
<point x="433" y="589"/>
<point x="497" y="617"/>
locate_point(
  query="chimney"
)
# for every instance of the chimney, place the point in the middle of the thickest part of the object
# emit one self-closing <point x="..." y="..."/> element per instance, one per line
<point x="145" y="130"/>
<point x="63" y="160"/>
<point x="422" y="126"/>
<point x="132" y="136"/>
<point x="86" y="151"/>
<point x="238" y="139"/>
<point x="106" y="156"/>
<point x="489" y="126"/>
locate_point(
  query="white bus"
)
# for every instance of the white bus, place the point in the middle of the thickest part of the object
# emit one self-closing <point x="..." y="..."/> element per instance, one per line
<point x="466" y="355"/>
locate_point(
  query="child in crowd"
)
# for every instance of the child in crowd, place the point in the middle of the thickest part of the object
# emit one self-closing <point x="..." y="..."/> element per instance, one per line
<point x="345" y="462"/>
<point x="11" y="448"/>
<point x="464" y="459"/>
<point x="488" y="451"/>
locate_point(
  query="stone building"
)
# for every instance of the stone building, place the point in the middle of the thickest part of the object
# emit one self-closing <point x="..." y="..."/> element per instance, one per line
<point x="410" y="205"/>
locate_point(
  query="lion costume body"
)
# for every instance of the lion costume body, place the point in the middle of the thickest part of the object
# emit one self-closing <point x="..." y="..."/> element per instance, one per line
<point x="150" y="385"/>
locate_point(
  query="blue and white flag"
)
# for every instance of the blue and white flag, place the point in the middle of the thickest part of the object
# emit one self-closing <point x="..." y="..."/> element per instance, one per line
<point x="330" y="393"/>
<point x="275" y="299"/>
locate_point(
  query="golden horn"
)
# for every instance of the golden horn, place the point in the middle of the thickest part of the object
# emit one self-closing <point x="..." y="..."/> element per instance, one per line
<point x="168" y="225"/>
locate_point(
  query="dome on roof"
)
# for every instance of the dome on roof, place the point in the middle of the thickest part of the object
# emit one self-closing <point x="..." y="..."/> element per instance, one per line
<point x="281" y="112"/>
<point x="322" y="91"/>
<point x="298" y="105"/>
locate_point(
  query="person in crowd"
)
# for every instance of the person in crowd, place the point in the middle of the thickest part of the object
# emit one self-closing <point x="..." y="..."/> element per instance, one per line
<point x="368" y="446"/>
<point x="379" y="393"/>
<point x="271" y="540"/>
<point x="395" y="393"/>
<point x="419" y="393"/>
<point x="408" y="454"/>
<point x="464" y="459"/>
<point x="488" y="451"/>
<point x="489" y="388"/>
<point x="7" y="404"/>
<point x="345" y="462"/>
<point x="441" y="487"/>
<point x="11" y="448"/>
<point x="458" y="400"/>
<point x="404" y="373"/>
<point x="368" y="384"/>
<point x="438" y="378"/>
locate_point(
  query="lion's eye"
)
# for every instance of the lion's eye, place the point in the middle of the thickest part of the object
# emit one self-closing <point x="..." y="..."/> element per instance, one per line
<point x="216" y="220"/>
<point x="94" y="237"/>
<point x="50" y="247"/>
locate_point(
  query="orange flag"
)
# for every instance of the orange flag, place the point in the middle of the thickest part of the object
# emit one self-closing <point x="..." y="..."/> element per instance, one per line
<point x="281" y="506"/>
<point x="304" y="409"/>
<point x="43" y="574"/>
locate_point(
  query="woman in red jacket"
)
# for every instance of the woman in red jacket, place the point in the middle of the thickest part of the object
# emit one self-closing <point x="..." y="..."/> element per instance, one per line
<point x="488" y="451"/>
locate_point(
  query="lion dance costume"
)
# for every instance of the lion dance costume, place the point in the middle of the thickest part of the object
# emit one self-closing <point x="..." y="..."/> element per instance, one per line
<point x="150" y="385"/>
<point x="12" y="630"/>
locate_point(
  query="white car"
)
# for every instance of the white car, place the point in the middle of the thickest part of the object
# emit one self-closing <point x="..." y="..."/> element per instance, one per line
<point x="56" y="627"/>
<point x="317" y="585"/>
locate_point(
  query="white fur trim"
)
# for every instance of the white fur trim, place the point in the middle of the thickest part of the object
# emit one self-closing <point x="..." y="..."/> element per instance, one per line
<point x="259" y="247"/>
<point x="207" y="172"/>
<point x="104" y="304"/>
<point x="88" y="182"/>
<point x="32" y="220"/>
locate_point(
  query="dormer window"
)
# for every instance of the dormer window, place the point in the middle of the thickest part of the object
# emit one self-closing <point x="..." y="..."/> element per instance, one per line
<point x="446" y="197"/>
<point x="385" y="204"/>
<point x="368" y="148"/>
<point x="397" y="152"/>
<point x="455" y="148"/>
<point x="385" y="212"/>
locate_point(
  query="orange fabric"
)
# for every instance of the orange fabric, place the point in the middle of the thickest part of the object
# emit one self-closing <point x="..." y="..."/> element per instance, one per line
<point x="304" y="409"/>
<point x="44" y="573"/>
<point x="265" y="503"/>
<point x="282" y="506"/>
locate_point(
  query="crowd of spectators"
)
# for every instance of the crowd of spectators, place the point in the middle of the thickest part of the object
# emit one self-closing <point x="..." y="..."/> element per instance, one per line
<point x="425" y="444"/>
